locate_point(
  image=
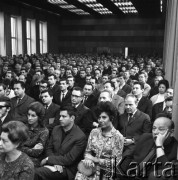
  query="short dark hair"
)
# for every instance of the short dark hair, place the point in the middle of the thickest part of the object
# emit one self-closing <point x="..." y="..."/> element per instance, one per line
<point x="70" y="110"/>
<point x="139" y="83"/>
<point x="22" y="84"/>
<point x="92" y="77"/>
<point x="89" y="84"/>
<point x="71" y="77"/>
<point x="47" y="91"/>
<point x="44" y="81"/>
<point x="63" y="79"/>
<point x="38" y="108"/>
<point x="52" y="74"/>
<point x="110" y="82"/>
<point x="63" y="67"/>
<point x="79" y="89"/>
<point x="169" y="99"/>
<point x="17" y="131"/>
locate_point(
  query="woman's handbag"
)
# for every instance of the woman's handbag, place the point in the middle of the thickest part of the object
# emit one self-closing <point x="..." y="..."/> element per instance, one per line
<point x="87" y="171"/>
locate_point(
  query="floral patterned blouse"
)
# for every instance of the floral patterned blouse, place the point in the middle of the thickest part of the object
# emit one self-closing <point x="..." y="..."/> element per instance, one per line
<point x="109" y="148"/>
<point x="36" y="135"/>
<point x="20" y="169"/>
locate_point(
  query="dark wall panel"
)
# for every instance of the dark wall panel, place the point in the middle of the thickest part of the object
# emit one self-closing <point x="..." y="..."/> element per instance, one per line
<point x="140" y="35"/>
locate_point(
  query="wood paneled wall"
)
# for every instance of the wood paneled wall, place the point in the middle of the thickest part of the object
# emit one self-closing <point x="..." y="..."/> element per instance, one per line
<point x="87" y="35"/>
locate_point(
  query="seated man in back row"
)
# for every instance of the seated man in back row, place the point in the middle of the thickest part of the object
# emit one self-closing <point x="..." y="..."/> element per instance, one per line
<point x="65" y="149"/>
<point x="155" y="154"/>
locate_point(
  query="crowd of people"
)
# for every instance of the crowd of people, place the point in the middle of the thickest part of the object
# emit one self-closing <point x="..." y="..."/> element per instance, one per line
<point x="86" y="117"/>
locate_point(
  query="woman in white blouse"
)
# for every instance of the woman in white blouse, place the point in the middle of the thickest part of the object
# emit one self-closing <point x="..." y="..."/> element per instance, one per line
<point x="163" y="85"/>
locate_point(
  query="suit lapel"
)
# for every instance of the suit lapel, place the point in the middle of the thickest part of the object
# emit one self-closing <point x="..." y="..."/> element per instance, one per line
<point x="22" y="101"/>
<point x="50" y="108"/>
<point x="136" y="115"/>
<point x="140" y="103"/>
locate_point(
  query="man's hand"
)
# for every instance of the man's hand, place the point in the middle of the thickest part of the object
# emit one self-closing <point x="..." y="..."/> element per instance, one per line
<point x="161" y="138"/>
<point x="59" y="168"/>
<point x="43" y="162"/>
<point x="128" y="142"/>
<point x="38" y="146"/>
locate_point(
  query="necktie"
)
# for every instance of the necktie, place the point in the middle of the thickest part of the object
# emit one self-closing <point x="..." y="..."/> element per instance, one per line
<point x="46" y="107"/>
<point x="63" y="95"/>
<point x="18" y="100"/>
<point x="130" y="117"/>
<point x="85" y="98"/>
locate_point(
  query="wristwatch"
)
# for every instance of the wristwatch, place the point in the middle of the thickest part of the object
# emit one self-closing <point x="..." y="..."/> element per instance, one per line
<point x="160" y="147"/>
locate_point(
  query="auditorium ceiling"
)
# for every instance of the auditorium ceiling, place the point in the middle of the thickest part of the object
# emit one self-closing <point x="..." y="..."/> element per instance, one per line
<point x="97" y="8"/>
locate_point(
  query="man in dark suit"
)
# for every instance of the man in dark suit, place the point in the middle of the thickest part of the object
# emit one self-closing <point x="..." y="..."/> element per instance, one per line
<point x="51" y="109"/>
<point x="143" y="104"/>
<point x="52" y="84"/>
<point x="96" y="92"/>
<point x="81" y="80"/>
<point x="84" y="116"/>
<point x="20" y="103"/>
<point x="5" y="106"/>
<point x="71" y="83"/>
<point x="125" y="87"/>
<point x="153" y="153"/>
<point x="133" y="124"/>
<point x="89" y="99"/>
<point x="63" y="96"/>
<point x="159" y="107"/>
<point x="64" y="151"/>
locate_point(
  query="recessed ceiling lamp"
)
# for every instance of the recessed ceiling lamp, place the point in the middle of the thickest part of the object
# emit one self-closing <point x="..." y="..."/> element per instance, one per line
<point x="63" y="4"/>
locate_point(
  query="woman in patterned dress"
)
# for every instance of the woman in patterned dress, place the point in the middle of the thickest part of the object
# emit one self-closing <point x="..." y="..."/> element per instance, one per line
<point x="38" y="134"/>
<point x="14" y="164"/>
<point x="105" y="146"/>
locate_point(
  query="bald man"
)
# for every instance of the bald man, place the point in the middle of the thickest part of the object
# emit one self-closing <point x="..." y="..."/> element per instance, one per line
<point x="154" y="153"/>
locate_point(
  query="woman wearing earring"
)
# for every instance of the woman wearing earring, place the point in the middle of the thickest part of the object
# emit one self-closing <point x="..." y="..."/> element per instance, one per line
<point x="38" y="134"/>
<point x="14" y="164"/>
<point x="104" y="148"/>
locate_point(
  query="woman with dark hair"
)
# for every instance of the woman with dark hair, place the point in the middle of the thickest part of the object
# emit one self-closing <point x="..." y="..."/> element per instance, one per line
<point x="13" y="163"/>
<point x="38" y="134"/>
<point x="104" y="148"/>
<point x="163" y="85"/>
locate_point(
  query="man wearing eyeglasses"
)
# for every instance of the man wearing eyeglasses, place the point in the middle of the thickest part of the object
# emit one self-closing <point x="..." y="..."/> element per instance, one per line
<point x="5" y="106"/>
<point x="84" y="118"/>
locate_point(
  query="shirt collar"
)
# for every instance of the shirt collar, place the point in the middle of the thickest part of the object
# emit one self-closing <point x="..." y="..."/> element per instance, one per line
<point x="3" y="118"/>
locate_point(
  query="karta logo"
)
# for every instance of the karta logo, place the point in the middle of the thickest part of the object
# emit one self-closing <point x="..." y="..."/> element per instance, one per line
<point x="139" y="171"/>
